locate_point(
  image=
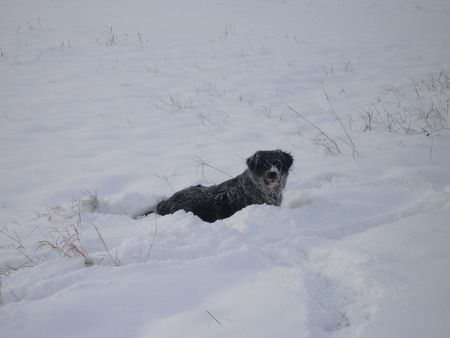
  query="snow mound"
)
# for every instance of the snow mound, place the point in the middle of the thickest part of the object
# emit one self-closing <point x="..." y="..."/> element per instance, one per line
<point x="131" y="204"/>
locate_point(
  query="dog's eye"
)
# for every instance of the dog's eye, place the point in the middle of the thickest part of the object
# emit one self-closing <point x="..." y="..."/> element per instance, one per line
<point x="265" y="165"/>
<point x="277" y="164"/>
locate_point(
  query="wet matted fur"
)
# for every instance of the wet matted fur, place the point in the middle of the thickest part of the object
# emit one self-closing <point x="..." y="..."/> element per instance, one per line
<point x="261" y="183"/>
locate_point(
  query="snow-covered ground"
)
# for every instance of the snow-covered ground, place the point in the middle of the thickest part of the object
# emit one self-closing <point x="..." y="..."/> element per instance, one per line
<point x="108" y="106"/>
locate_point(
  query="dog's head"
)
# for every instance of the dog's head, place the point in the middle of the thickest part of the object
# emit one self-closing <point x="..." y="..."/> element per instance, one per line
<point x="271" y="167"/>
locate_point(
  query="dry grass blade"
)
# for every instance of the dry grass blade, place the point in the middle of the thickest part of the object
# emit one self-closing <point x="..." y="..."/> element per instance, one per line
<point x="350" y="141"/>
<point x="165" y="179"/>
<point x="153" y="241"/>
<point x="213" y="317"/>
<point x="203" y="164"/>
<point x="115" y="259"/>
<point x="322" y="133"/>
<point x="14" y="236"/>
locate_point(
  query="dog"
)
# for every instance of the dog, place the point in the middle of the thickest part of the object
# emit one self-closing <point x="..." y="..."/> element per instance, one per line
<point x="261" y="183"/>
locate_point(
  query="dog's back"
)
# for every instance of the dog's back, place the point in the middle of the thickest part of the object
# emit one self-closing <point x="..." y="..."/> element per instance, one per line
<point x="211" y="203"/>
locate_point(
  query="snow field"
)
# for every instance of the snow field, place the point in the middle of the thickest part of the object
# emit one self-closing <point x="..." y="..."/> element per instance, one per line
<point x="107" y="107"/>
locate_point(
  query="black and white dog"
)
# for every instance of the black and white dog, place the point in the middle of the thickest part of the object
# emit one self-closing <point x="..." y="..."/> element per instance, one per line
<point x="262" y="182"/>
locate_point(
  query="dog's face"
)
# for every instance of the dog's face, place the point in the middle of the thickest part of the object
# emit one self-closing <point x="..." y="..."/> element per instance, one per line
<point x="271" y="167"/>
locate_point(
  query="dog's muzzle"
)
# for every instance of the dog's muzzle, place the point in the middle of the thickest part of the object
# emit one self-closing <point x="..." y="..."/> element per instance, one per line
<point x="271" y="177"/>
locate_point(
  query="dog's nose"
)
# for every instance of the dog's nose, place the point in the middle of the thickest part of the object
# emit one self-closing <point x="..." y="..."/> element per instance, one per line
<point x="272" y="175"/>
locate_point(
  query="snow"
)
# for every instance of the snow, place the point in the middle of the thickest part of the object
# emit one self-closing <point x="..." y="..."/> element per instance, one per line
<point x="107" y="107"/>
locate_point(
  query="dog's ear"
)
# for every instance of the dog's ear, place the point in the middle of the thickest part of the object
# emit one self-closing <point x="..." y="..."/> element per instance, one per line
<point x="287" y="160"/>
<point x="252" y="161"/>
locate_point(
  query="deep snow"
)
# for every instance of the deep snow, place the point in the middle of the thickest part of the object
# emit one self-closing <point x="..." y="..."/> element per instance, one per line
<point x="106" y="107"/>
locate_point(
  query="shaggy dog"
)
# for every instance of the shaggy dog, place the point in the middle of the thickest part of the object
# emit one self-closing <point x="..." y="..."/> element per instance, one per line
<point x="262" y="182"/>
